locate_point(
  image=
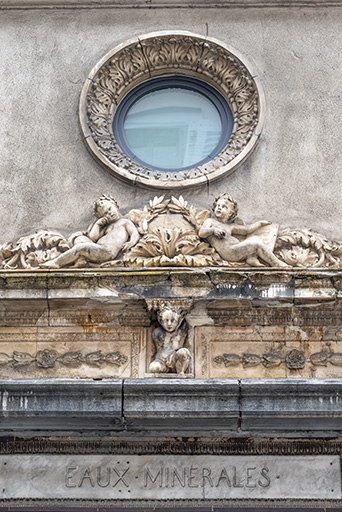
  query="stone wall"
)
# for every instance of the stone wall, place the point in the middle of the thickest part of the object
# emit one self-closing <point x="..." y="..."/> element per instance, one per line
<point x="50" y="180"/>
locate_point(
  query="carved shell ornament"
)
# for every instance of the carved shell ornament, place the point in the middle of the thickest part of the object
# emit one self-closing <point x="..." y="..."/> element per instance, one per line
<point x="164" y="55"/>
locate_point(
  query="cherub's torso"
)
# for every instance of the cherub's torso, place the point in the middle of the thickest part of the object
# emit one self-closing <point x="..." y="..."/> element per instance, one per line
<point x="168" y="342"/>
<point x="114" y="233"/>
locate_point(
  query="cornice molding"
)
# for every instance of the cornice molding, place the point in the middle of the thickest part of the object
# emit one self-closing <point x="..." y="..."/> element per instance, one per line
<point x="247" y="407"/>
<point x="169" y="4"/>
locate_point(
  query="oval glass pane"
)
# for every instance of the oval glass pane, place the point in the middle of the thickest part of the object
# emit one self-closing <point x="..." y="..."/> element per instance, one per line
<point x="172" y="128"/>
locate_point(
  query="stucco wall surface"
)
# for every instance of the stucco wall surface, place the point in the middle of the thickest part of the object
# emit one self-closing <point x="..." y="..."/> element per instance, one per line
<point x="48" y="178"/>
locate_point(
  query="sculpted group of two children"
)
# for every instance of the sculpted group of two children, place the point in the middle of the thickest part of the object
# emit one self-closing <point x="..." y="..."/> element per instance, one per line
<point x="111" y="235"/>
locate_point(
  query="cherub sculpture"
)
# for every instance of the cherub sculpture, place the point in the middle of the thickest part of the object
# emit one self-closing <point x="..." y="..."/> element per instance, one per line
<point x="220" y="233"/>
<point x="171" y="356"/>
<point x="104" y="239"/>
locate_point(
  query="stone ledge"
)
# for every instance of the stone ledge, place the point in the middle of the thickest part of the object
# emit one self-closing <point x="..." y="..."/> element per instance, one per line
<point x="291" y="405"/>
<point x="162" y="404"/>
<point x="61" y="404"/>
<point x="210" y="407"/>
<point x="115" y="286"/>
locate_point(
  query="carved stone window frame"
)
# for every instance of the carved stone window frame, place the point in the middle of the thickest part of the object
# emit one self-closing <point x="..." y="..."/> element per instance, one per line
<point x="167" y="54"/>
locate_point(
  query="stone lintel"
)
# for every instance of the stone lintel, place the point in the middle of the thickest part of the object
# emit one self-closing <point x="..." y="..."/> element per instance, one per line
<point x="287" y="407"/>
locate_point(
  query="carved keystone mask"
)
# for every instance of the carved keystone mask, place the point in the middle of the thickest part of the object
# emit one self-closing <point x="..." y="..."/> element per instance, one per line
<point x="171" y="110"/>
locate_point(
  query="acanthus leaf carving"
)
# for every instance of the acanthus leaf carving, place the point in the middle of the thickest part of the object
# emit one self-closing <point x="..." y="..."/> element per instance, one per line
<point x="164" y="55"/>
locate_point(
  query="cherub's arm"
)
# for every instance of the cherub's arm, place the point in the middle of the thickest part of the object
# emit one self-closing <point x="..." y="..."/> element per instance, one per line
<point x="133" y="236"/>
<point x="208" y="228"/>
<point x="95" y="230"/>
<point x="249" y="228"/>
<point x="183" y="333"/>
<point x="158" y="336"/>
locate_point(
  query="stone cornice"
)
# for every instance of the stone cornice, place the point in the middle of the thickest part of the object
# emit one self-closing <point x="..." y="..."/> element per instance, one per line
<point x="125" y="285"/>
<point x="215" y="284"/>
<point x="159" y="4"/>
<point x="231" y="407"/>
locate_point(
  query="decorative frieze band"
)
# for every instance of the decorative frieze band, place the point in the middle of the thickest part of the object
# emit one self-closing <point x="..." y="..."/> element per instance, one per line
<point x="169" y="232"/>
<point x="49" y="358"/>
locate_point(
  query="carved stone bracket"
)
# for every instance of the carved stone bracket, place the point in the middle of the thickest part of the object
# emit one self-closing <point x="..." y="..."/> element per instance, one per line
<point x="183" y="306"/>
<point x="164" y="54"/>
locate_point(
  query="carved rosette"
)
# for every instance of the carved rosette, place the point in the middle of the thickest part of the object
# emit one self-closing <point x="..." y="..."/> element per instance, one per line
<point x="164" y="54"/>
<point x="293" y="359"/>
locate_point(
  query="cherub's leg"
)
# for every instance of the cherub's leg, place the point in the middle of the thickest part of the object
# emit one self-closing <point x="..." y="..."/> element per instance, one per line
<point x="266" y="255"/>
<point x="182" y="360"/>
<point x="253" y="261"/>
<point x="68" y="257"/>
<point x="90" y="251"/>
<point x="157" y="367"/>
<point x="249" y="251"/>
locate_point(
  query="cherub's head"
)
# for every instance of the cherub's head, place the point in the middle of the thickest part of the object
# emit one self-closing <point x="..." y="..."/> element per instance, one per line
<point x="169" y="317"/>
<point x="225" y="208"/>
<point x="106" y="206"/>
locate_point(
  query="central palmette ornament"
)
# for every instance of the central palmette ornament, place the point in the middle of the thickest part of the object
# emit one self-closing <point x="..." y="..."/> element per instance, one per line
<point x="170" y="233"/>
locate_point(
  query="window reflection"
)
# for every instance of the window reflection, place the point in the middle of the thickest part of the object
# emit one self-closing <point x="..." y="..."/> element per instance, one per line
<point x="172" y="128"/>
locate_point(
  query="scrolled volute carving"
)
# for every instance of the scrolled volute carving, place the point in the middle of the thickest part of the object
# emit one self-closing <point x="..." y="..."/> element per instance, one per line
<point x="304" y="248"/>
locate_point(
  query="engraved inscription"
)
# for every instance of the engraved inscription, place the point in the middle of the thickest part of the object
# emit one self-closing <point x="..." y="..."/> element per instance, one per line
<point x="99" y="476"/>
<point x="169" y="477"/>
<point x="196" y="476"/>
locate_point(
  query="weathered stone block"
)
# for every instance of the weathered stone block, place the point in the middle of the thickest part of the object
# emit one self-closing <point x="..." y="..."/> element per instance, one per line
<point x="177" y="404"/>
<point x="283" y="405"/>
<point x="29" y="404"/>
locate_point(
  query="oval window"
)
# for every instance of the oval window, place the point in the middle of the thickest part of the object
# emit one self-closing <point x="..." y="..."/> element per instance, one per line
<point x="173" y="123"/>
<point x="171" y="110"/>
